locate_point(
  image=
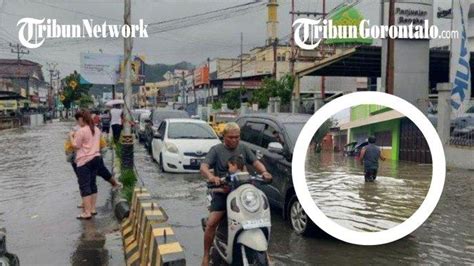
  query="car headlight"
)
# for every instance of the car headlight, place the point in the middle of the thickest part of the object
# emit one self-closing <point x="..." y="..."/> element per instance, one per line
<point x="250" y="200"/>
<point x="171" y="147"/>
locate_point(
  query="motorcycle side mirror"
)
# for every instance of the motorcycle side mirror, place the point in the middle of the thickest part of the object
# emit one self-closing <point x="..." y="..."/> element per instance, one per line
<point x="157" y="135"/>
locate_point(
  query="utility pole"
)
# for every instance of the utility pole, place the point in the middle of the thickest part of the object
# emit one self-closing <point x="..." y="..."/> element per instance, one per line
<point x="18" y="49"/>
<point x="241" y="66"/>
<point x="53" y="73"/>
<point x="127" y="138"/>
<point x="292" y="40"/>
<point x="389" y="75"/>
<point x="323" y="78"/>
<point x="209" y="81"/>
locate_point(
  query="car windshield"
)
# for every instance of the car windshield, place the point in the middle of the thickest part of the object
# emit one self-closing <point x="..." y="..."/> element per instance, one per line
<point x="159" y="116"/>
<point x="188" y="130"/>
<point x="293" y="130"/>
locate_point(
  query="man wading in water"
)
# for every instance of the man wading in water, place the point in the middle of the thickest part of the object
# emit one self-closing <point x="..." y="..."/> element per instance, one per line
<point x="369" y="157"/>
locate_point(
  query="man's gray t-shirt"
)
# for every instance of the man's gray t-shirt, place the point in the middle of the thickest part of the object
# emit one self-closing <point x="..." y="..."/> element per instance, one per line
<point x="371" y="157"/>
<point x="219" y="155"/>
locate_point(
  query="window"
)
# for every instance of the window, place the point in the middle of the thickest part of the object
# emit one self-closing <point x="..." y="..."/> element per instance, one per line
<point x="252" y="132"/>
<point x="179" y="130"/>
<point x="162" y="128"/>
<point x="270" y="134"/>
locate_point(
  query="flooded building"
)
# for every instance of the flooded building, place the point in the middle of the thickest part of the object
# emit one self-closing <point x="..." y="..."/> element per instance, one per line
<point x="397" y="136"/>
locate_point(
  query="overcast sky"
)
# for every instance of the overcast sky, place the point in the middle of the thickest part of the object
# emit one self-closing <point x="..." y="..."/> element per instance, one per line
<point x="193" y="44"/>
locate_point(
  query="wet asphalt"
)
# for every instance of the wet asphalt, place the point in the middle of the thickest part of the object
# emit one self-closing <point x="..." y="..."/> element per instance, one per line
<point x="38" y="203"/>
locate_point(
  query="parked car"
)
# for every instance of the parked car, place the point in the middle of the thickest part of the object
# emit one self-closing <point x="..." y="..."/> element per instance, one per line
<point x="272" y="138"/>
<point x="156" y="117"/>
<point x="140" y="129"/>
<point x="179" y="145"/>
<point x="135" y="118"/>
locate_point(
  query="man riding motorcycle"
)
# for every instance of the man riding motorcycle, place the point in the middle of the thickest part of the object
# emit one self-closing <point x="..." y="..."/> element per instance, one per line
<point x="217" y="159"/>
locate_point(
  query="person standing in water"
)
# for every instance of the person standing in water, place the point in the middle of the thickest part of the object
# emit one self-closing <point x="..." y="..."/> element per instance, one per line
<point x="369" y="157"/>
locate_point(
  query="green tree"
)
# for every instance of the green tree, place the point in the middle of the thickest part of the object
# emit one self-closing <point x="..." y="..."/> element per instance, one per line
<point x="232" y="98"/>
<point x="73" y="90"/>
<point x="282" y="88"/>
<point x="85" y="101"/>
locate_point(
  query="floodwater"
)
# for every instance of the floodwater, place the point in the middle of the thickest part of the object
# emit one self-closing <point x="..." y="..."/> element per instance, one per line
<point x="38" y="203"/>
<point x="447" y="237"/>
<point x="338" y="187"/>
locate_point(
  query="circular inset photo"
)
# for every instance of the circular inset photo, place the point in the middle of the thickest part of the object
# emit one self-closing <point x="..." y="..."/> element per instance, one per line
<point x="368" y="168"/>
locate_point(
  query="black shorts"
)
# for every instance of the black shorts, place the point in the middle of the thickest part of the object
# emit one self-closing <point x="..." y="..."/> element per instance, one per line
<point x="102" y="171"/>
<point x="86" y="177"/>
<point x="218" y="202"/>
<point x="370" y="175"/>
<point x="106" y="129"/>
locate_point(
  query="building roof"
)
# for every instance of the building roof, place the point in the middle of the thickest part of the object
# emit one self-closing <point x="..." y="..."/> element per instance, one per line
<point x="366" y="61"/>
<point x="12" y="68"/>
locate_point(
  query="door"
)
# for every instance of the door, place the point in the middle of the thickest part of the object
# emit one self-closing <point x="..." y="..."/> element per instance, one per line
<point x="157" y="143"/>
<point x="413" y="146"/>
<point x="276" y="164"/>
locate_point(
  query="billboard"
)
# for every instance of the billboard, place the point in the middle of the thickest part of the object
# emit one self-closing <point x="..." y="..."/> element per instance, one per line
<point x="99" y="68"/>
<point x="201" y="75"/>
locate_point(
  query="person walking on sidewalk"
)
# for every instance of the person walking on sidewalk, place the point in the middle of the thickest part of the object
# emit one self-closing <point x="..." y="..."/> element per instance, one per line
<point x="116" y="122"/>
<point x="86" y="142"/>
<point x="369" y="157"/>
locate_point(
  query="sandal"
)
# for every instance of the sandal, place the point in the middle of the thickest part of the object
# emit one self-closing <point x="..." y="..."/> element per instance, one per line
<point x="82" y="217"/>
<point x="93" y="213"/>
<point x="80" y="206"/>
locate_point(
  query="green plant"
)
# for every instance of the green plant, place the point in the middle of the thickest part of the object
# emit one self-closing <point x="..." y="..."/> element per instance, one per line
<point x="282" y="88"/>
<point x="217" y="105"/>
<point x="232" y="98"/>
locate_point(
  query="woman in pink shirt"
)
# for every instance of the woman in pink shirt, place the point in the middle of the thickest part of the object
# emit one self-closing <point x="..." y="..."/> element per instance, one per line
<point x="86" y="141"/>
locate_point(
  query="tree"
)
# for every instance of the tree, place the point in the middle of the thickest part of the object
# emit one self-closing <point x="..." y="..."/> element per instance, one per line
<point x="282" y="88"/>
<point x="73" y="91"/>
<point x="232" y="98"/>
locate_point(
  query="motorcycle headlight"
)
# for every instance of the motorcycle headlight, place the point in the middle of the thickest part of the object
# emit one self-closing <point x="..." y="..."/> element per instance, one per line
<point x="171" y="147"/>
<point x="250" y="200"/>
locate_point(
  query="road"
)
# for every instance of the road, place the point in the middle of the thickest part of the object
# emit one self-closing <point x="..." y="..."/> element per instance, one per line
<point x="38" y="199"/>
<point x="39" y="193"/>
<point x="447" y="237"/>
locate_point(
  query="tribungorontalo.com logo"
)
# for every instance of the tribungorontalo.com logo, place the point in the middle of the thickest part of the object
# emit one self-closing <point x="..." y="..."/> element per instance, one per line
<point x="33" y="32"/>
<point x="309" y="33"/>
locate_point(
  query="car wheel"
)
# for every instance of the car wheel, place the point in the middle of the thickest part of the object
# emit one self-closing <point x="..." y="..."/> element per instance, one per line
<point x="162" y="168"/>
<point x="299" y="220"/>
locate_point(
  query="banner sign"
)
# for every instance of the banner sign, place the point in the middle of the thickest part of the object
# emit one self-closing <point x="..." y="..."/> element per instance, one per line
<point x="460" y="70"/>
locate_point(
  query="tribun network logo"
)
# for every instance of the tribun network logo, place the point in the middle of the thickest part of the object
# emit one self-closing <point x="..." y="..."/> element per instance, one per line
<point x="33" y="32"/>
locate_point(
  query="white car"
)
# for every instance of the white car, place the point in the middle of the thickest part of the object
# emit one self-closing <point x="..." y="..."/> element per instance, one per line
<point x="181" y="144"/>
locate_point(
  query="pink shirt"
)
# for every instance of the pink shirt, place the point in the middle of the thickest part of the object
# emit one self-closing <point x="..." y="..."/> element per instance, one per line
<point x="88" y="145"/>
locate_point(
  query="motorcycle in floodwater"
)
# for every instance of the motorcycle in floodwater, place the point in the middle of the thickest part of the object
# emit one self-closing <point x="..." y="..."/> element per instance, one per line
<point x="243" y="235"/>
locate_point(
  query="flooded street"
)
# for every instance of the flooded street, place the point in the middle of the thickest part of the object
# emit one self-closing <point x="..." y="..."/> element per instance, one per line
<point x="446" y="237"/>
<point x="39" y="193"/>
<point x="38" y="198"/>
<point x="337" y="186"/>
